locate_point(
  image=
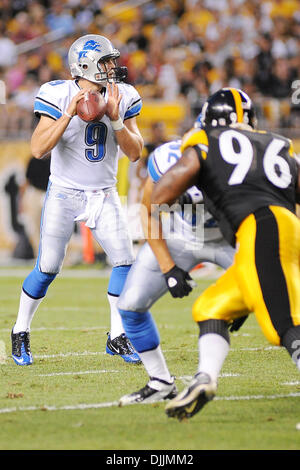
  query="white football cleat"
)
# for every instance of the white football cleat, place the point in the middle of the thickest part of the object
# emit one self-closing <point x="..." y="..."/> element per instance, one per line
<point x="155" y="390"/>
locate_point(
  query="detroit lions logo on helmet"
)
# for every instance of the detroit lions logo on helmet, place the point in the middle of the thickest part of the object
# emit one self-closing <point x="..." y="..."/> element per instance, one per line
<point x="90" y="45"/>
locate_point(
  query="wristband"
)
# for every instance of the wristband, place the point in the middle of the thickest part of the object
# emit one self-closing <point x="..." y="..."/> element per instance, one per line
<point x="117" y="125"/>
<point x="67" y="114"/>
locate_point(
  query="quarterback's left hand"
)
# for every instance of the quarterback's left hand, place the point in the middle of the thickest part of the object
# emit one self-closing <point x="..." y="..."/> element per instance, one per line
<point x="179" y="282"/>
<point x="113" y="101"/>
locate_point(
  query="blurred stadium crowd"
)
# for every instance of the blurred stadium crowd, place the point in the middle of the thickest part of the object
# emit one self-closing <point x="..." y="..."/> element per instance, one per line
<point x="174" y="50"/>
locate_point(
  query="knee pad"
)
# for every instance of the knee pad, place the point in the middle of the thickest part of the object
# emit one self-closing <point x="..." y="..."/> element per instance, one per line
<point x="36" y="283"/>
<point x="140" y="328"/>
<point x="117" y="279"/>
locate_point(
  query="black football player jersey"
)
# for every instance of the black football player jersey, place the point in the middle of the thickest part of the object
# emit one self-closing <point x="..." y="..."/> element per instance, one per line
<point x="242" y="171"/>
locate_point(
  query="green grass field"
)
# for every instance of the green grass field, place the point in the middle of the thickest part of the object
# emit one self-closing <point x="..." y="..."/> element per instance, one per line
<point x="67" y="400"/>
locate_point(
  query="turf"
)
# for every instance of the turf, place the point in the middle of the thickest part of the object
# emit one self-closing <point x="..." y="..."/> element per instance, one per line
<point x="67" y="399"/>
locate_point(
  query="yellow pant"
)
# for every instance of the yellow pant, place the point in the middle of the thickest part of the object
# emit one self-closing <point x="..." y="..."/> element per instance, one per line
<point x="264" y="278"/>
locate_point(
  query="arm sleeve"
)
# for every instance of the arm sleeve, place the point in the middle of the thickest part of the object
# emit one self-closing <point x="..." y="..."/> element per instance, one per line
<point x="134" y="105"/>
<point x="46" y="103"/>
<point x="153" y="168"/>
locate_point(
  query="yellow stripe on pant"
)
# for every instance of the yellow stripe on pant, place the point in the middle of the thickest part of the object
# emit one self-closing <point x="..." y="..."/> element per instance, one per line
<point x="239" y="289"/>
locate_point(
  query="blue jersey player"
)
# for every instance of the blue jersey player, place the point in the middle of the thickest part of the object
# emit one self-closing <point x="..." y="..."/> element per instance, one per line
<point x="190" y="241"/>
<point x="84" y="162"/>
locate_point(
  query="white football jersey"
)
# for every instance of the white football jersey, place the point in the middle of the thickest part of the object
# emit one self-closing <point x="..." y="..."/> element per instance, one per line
<point x="191" y="226"/>
<point x="86" y="156"/>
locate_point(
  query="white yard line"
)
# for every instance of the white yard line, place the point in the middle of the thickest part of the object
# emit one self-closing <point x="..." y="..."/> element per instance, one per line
<point x="63" y="328"/>
<point x="96" y="353"/>
<point x="80" y="372"/>
<point x="184" y="378"/>
<point x="86" y="406"/>
<point x="259" y="397"/>
<point x="59" y="408"/>
<point x="68" y="354"/>
<point x="291" y="383"/>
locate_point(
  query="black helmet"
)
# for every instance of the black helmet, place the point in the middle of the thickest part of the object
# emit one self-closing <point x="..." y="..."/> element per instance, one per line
<point x="228" y="106"/>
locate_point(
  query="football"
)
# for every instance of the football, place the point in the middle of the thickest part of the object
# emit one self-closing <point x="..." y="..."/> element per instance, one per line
<point x="91" y="107"/>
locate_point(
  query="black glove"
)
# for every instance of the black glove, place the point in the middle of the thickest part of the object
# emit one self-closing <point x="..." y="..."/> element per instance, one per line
<point x="237" y="323"/>
<point x="185" y="198"/>
<point x="179" y="282"/>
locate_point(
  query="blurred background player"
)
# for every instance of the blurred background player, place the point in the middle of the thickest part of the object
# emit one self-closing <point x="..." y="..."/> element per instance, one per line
<point x="84" y="160"/>
<point x="251" y="183"/>
<point x="33" y="194"/>
<point x="189" y="245"/>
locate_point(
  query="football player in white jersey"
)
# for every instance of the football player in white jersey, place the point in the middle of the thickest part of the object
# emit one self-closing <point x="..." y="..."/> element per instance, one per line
<point x="84" y="162"/>
<point x="146" y="283"/>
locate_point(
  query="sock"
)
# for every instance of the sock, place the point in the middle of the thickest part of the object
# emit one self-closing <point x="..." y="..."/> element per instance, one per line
<point x="27" y="309"/>
<point x="155" y="364"/>
<point x="116" y="283"/>
<point x="213" y="349"/>
<point x="116" y="326"/>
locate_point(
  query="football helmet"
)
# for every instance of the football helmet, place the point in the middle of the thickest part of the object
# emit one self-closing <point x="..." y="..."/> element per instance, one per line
<point x="228" y="106"/>
<point x="88" y="57"/>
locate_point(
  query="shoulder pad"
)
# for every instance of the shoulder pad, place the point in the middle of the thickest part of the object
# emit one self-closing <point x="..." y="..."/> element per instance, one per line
<point x="195" y="137"/>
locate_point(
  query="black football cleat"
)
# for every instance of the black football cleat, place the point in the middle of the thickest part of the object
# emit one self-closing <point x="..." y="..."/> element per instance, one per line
<point x="121" y="346"/>
<point x="20" y="344"/>
<point x="192" y="399"/>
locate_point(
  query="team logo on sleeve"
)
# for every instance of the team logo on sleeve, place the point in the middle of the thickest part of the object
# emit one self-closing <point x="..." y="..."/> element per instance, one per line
<point x="90" y="45"/>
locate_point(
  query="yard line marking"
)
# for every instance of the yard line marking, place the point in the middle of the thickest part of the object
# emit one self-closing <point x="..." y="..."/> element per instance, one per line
<point x="184" y="378"/>
<point x="60" y="408"/>
<point x="96" y="353"/>
<point x="297" y="382"/>
<point x="80" y="372"/>
<point x="259" y="348"/>
<point x="259" y="397"/>
<point x="229" y="374"/>
<point x="68" y="354"/>
<point x="241" y="334"/>
<point x="3" y="355"/>
<point x="63" y="328"/>
<point x="86" y="406"/>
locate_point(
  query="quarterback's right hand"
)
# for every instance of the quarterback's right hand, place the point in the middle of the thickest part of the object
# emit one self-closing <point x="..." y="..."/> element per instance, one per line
<point x="72" y="108"/>
<point x="179" y="282"/>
